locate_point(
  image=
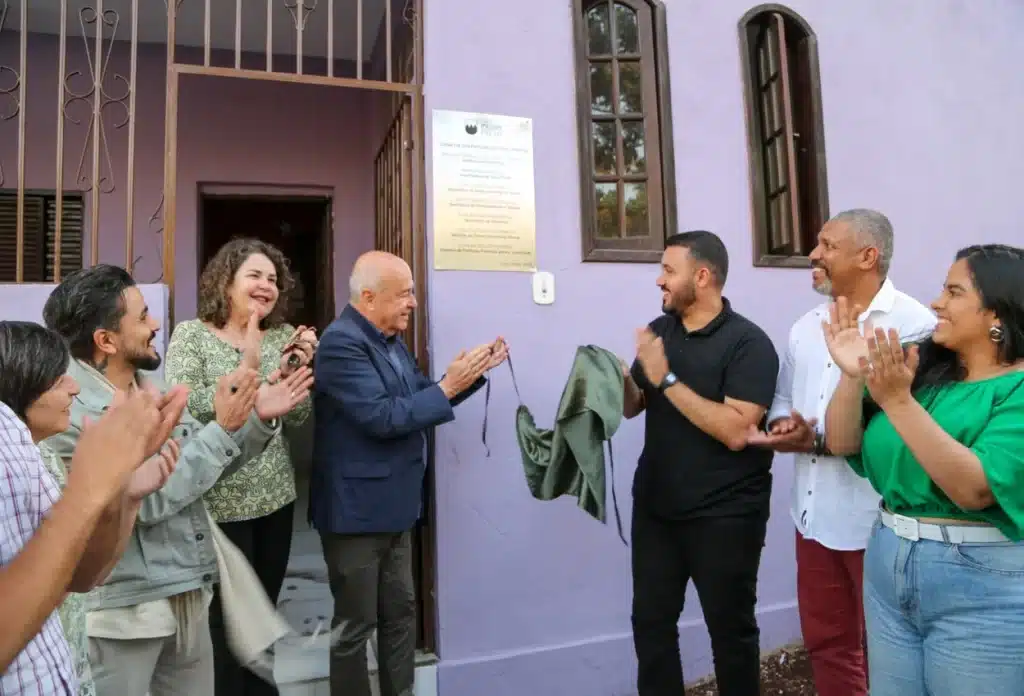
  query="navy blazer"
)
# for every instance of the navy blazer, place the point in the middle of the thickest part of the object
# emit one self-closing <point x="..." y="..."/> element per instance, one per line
<point x="369" y="428"/>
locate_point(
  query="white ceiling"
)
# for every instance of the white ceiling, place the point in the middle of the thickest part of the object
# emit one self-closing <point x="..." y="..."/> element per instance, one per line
<point x="44" y="17"/>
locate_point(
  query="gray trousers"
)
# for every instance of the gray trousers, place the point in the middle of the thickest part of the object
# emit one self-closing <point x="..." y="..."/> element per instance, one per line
<point x="372" y="584"/>
<point x="153" y="665"/>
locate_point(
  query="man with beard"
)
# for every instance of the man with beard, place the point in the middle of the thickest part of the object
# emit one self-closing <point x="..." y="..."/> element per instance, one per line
<point x="834" y="508"/>
<point x="705" y="375"/>
<point x="147" y="626"/>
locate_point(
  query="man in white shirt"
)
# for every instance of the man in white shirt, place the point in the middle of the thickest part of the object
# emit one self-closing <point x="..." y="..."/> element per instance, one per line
<point x="833" y="508"/>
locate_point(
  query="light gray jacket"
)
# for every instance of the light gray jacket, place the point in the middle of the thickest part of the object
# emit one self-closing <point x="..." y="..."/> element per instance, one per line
<point x="171" y="550"/>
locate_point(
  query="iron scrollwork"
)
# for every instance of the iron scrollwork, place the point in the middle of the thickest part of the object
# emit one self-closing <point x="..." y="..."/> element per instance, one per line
<point x="156" y="227"/>
<point x="300" y="15"/>
<point x="101" y="46"/>
<point x="10" y="96"/>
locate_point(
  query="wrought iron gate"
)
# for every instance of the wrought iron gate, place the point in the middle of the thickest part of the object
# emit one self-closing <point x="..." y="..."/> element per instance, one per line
<point x="91" y="190"/>
<point x="392" y="171"/>
<point x="52" y="223"/>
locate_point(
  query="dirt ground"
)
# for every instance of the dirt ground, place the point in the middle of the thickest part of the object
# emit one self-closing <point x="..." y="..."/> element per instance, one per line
<point x="783" y="673"/>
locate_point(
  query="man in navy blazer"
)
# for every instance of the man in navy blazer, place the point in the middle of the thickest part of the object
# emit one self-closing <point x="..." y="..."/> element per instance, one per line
<point x="372" y="409"/>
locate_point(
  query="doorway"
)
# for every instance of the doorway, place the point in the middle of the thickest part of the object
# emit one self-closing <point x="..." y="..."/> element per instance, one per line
<point x="300" y="226"/>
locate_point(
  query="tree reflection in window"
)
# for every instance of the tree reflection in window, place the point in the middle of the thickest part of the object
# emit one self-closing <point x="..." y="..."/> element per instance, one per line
<point x="624" y="192"/>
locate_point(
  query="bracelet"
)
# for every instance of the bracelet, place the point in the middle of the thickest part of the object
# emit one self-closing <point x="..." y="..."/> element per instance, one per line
<point x="820" y="446"/>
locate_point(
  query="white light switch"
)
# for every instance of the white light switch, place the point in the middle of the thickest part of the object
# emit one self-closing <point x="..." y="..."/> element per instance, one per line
<point x="543" y="288"/>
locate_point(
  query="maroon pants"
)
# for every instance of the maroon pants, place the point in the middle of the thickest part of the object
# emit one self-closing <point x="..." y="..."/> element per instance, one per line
<point x="829" y="586"/>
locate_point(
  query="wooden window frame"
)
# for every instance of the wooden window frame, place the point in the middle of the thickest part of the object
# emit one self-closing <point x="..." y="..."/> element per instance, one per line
<point x="806" y="184"/>
<point x="660" y="177"/>
<point x="38" y="266"/>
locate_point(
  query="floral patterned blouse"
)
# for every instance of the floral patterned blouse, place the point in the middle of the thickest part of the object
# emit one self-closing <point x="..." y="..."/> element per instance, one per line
<point x="72" y="609"/>
<point x="197" y="358"/>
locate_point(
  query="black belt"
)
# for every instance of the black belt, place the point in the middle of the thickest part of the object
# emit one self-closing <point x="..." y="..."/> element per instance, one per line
<point x="608" y="442"/>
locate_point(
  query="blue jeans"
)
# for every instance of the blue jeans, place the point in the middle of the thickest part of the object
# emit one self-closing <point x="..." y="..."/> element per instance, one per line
<point x="943" y="619"/>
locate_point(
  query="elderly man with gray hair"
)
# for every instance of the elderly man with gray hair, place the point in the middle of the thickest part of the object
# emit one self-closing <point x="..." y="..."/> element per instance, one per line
<point x="834" y="508"/>
<point x="372" y="409"/>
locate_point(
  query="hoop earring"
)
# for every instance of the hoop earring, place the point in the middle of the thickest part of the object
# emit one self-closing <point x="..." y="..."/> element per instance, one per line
<point x="995" y="334"/>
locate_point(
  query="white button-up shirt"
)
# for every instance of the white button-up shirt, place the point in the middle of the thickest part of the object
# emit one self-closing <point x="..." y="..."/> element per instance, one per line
<point x="830" y="503"/>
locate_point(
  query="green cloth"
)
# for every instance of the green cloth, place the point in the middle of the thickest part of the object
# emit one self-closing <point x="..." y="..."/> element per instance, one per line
<point x="988" y="417"/>
<point x="569" y="460"/>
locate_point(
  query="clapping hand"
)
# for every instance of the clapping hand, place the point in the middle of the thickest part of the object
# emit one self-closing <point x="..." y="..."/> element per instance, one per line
<point x="888" y="370"/>
<point x="280" y="396"/>
<point x="650" y="351"/>
<point x="112" y="448"/>
<point x="154" y="472"/>
<point x="299" y="350"/>
<point x="235" y="398"/>
<point x="253" y="342"/>
<point x="846" y="344"/>
<point x="170" y="404"/>
<point x="465" y="369"/>
<point x="499" y="353"/>
<point x="791" y="434"/>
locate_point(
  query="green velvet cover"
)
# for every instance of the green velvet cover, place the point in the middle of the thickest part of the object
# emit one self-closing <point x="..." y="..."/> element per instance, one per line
<point x="569" y="460"/>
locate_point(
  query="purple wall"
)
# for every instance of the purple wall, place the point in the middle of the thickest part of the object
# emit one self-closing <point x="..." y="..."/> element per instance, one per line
<point x="230" y="131"/>
<point x="923" y="102"/>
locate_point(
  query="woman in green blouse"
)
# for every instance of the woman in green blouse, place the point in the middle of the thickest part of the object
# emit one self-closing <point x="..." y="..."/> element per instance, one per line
<point x="243" y="297"/>
<point x="940" y="436"/>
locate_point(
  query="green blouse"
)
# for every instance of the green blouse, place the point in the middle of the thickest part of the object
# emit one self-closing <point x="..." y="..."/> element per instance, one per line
<point x="72" y="609"/>
<point x="196" y="357"/>
<point x="988" y="417"/>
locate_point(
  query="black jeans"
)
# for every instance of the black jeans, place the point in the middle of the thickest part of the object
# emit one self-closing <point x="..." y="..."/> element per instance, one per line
<point x="372" y="584"/>
<point x="267" y="543"/>
<point x="721" y="555"/>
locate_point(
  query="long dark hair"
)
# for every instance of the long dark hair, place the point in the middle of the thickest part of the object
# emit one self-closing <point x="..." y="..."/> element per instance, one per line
<point x="32" y="360"/>
<point x="997" y="271"/>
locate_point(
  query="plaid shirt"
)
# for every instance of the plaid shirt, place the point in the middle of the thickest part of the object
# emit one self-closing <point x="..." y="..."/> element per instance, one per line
<point x="27" y="491"/>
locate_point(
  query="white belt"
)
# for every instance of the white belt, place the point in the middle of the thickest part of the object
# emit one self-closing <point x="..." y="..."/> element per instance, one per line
<point x="914" y="530"/>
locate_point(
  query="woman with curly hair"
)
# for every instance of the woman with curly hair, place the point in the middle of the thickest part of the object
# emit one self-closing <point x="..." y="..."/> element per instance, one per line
<point x="243" y="300"/>
<point x="938" y="430"/>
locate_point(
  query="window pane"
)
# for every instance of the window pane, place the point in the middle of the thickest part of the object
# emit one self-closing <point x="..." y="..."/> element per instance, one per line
<point x="768" y="122"/>
<point x="773" y="51"/>
<point x="627" y="30"/>
<point x="780" y="174"/>
<point x="607" y="196"/>
<point x="764" y="70"/>
<point x="772" y="180"/>
<point x="637" y="222"/>
<point x="601" y="88"/>
<point x="630" y="88"/>
<point x="633" y="147"/>
<point x="599" y="34"/>
<point x="604" y="147"/>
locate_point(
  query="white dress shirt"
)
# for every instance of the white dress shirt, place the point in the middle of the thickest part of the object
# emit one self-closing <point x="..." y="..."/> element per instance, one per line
<point x="831" y="504"/>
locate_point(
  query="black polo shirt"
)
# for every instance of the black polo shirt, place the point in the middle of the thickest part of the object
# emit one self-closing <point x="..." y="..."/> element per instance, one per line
<point x="684" y="472"/>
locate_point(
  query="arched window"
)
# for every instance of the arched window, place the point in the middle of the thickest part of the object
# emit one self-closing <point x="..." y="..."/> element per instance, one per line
<point x="626" y="160"/>
<point x="786" y="142"/>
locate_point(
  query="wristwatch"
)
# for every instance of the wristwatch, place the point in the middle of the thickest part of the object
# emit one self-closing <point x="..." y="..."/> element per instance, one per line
<point x="669" y="380"/>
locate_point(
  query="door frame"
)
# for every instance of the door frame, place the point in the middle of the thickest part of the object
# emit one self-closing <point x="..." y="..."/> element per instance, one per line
<point x="412" y="90"/>
<point x="268" y="193"/>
